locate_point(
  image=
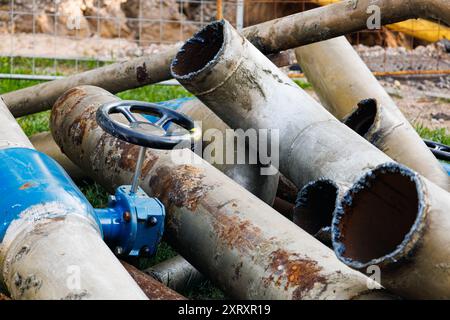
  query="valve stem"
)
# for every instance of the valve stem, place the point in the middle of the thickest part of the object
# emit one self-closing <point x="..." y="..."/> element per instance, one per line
<point x="137" y="173"/>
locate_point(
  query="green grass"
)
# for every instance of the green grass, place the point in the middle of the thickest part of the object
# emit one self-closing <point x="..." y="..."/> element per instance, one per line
<point x="437" y="135"/>
<point x="97" y="195"/>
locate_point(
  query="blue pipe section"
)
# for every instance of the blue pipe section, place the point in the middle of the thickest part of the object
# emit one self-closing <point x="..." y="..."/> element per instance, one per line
<point x="446" y="167"/>
<point x="29" y="178"/>
<point x="173" y="104"/>
<point x="133" y="222"/>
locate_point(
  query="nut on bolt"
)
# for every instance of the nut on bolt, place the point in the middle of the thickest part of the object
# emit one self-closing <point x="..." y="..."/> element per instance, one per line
<point x="152" y="221"/>
<point x="127" y="216"/>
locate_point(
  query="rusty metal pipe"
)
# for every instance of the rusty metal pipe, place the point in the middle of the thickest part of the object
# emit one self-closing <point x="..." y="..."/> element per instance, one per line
<point x="399" y="221"/>
<point x="176" y="273"/>
<point x="347" y="89"/>
<point x="247" y="91"/>
<point x="52" y="249"/>
<point x="229" y="235"/>
<point x="270" y="37"/>
<point x="247" y="175"/>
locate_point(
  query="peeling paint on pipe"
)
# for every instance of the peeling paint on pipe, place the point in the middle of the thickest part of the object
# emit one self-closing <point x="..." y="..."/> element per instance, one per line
<point x="176" y="273"/>
<point x="394" y="219"/>
<point x="229" y="235"/>
<point x="53" y="248"/>
<point x="246" y="90"/>
<point x="270" y="37"/>
<point x="343" y="82"/>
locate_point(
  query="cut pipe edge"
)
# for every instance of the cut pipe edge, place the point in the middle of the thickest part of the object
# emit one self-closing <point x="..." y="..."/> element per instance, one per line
<point x="348" y="90"/>
<point x="314" y="208"/>
<point x="214" y="223"/>
<point x="360" y="194"/>
<point x="396" y="220"/>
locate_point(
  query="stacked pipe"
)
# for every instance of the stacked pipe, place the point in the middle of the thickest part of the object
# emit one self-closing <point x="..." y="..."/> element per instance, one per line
<point x="240" y="85"/>
<point x="229" y="235"/>
<point x="347" y="89"/>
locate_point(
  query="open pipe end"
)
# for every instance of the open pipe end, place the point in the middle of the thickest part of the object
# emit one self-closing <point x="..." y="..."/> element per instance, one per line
<point x="363" y="118"/>
<point x="380" y="219"/>
<point x="315" y="205"/>
<point x="200" y="52"/>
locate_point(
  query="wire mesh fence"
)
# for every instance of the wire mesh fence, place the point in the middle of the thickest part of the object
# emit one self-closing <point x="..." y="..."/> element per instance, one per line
<point x="44" y="39"/>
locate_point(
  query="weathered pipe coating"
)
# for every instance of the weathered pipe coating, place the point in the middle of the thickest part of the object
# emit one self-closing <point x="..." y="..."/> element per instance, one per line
<point x="229" y="235"/>
<point x="403" y="229"/>
<point x="154" y="289"/>
<point x="176" y="273"/>
<point x="54" y="250"/>
<point x="270" y="37"/>
<point x="344" y="83"/>
<point x="247" y="91"/>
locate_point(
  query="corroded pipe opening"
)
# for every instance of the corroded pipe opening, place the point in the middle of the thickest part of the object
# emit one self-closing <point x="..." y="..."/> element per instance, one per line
<point x="315" y="205"/>
<point x="199" y="52"/>
<point x="363" y="118"/>
<point x="381" y="218"/>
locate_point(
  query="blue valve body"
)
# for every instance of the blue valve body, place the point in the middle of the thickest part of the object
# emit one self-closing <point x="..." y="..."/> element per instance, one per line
<point x="132" y="224"/>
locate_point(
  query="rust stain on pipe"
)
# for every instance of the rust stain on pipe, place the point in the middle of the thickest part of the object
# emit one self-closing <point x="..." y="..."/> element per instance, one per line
<point x="182" y="186"/>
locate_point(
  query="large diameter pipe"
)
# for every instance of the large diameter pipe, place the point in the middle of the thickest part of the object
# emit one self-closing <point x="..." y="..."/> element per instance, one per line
<point x="51" y="245"/>
<point x="229" y="235"/>
<point x="270" y="37"/>
<point x="344" y="83"/>
<point x="395" y="219"/>
<point x="246" y="90"/>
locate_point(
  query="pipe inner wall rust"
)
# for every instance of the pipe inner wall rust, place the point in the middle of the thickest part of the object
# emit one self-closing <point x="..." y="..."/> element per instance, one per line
<point x="229" y="235"/>
<point x="399" y="221"/>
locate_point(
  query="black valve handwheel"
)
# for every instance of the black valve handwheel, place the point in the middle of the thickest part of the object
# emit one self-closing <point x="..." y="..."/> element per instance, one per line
<point x="131" y="133"/>
<point x="441" y="151"/>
